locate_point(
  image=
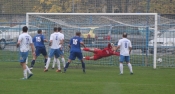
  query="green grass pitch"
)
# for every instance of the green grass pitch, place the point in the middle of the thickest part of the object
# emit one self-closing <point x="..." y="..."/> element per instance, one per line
<point x="97" y="80"/>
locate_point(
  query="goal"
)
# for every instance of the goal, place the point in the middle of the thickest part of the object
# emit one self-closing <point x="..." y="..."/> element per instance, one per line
<point x="98" y="29"/>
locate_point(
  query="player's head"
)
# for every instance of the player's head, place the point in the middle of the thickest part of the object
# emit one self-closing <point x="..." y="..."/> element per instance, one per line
<point x="124" y="35"/>
<point x="39" y="31"/>
<point x="59" y="29"/>
<point x="25" y="29"/>
<point x="55" y="29"/>
<point x="78" y="33"/>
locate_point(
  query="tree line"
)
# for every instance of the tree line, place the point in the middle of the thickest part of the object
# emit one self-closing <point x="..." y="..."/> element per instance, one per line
<point x="87" y="6"/>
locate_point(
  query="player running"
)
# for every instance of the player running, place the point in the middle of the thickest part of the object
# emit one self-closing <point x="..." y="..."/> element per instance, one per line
<point x="56" y="39"/>
<point x="38" y="41"/>
<point x="98" y="53"/>
<point x="61" y="51"/>
<point x="125" y="49"/>
<point x="75" y="50"/>
<point x="24" y="41"/>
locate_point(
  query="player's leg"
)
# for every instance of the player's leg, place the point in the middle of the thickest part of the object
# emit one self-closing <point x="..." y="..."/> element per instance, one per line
<point x="44" y="53"/>
<point x="62" y="57"/>
<point x="54" y="61"/>
<point x="127" y="59"/>
<point x="121" y="64"/>
<point x="72" y="56"/>
<point x="57" y="54"/>
<point x="95" y="57"/>
<point x="51" y="54"/>
<point x="67" y="64"/>
<point x="89" y="57"/>
<point x="80" y="57"/>
<point x="23" y="57"/>
<point x="37" y="51"/>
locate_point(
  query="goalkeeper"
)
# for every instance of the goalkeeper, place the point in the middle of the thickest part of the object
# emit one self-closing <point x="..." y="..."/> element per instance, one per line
<point x="98" y="53"/>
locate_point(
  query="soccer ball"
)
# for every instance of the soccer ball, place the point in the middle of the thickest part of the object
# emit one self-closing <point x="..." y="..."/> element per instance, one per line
<point x="159" y="60"/>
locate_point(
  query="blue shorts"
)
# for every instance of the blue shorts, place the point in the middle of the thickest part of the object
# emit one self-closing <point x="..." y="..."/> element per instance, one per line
<point x="73" y="55"/>
<point x="124" y="58"/>
<point x="23" y="57"/>
<point x="40" y="50"/>
<point x="54" y="52"/>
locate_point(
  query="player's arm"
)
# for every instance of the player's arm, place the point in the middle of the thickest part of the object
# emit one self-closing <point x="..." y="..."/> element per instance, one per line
<point x="82" y="43"/>
<point x="32" y="46"/>
<point x="116" y="48"/>
<point x="45" y="40"/>
<point x="51" y="40"/>
<point x="19" y="41"/>
<point x="130" y="47"/>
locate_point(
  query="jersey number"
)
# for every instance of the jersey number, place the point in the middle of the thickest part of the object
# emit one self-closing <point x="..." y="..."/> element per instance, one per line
<point x="75" y="41"/>
<point x="126" y="45"/>
<point x="27" y="40"/>
<point x="38" y="39"/>
<point x="56" y="38"/>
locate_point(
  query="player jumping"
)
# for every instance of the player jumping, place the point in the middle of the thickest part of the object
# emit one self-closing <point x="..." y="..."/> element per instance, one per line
<point x="38" y="41"/>
<point x="75" y="50"/>
<point x="98" y="53"/>
<point x="24" y="41"/>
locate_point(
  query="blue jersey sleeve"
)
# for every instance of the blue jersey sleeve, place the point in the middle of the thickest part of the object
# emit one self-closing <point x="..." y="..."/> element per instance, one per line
<point x="81" y="39"/>
<point x="34" y="39"/>
<point x="70" y="42"/>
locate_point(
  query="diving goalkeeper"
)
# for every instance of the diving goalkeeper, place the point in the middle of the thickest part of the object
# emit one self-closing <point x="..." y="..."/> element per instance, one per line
<point x="100" y="53"/>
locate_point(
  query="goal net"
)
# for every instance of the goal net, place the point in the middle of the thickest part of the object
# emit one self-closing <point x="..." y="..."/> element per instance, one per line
<point x="99" y="29"/>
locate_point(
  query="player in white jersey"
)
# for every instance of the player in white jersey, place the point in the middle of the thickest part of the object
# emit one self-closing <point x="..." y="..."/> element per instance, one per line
<point x="24" y="42"/>
<point x="61" y="52"/>
<point x="125" y="49"/>
<point x="56" y="39"/>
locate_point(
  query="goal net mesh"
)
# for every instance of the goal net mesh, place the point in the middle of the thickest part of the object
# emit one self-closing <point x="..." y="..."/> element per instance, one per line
<point x="99" y="30"/>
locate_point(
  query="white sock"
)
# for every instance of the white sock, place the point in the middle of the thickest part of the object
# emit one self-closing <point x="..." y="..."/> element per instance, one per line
<point x="121" y="68"/>
<point x="130" y="67"/>
<point x="53" y="64"/>
<point x="28" y="70"/>
<point x="25" y="73"/>
<point x="58" y="64"/>
<point x="47" y="63"/>
<point x="63" y="61"/>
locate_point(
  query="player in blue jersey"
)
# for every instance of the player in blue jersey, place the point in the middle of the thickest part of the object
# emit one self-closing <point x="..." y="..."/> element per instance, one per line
<point x="38" y="41"/>
<point x="75" y="50"/>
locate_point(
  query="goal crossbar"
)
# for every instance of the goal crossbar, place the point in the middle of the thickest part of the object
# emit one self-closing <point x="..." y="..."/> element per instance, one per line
<point x="148" y="14"/>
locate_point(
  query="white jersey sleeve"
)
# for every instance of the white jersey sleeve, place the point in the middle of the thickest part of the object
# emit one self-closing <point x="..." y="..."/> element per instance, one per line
<point x="51" y="37"/>
<point x="130" y="45"/>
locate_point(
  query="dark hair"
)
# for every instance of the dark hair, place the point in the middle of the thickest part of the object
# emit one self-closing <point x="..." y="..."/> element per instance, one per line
<point x="78" y="33"/>
<point x="55" y="29"/>
<point x="125" y="35"/>
<point x="39" y="31"/>
<point x="24" y="29"/>
<point x="59" y="29"/>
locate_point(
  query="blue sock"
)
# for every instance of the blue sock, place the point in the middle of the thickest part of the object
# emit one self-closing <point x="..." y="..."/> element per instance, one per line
<point x="83" y="65"/>
<point x="32" y="63"/>
<point x="67" y="65"/>
<point x="45" y="61"/>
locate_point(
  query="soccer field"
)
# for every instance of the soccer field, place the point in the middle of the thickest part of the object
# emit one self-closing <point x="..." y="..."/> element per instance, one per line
<point x="97" y="80"/>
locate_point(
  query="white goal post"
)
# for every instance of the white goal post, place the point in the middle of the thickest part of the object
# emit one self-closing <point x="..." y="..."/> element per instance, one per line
<point x="155" y="15"/>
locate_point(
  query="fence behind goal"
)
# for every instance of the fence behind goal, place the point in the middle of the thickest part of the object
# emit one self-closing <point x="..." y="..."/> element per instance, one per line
<point x="98" y="31"/>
